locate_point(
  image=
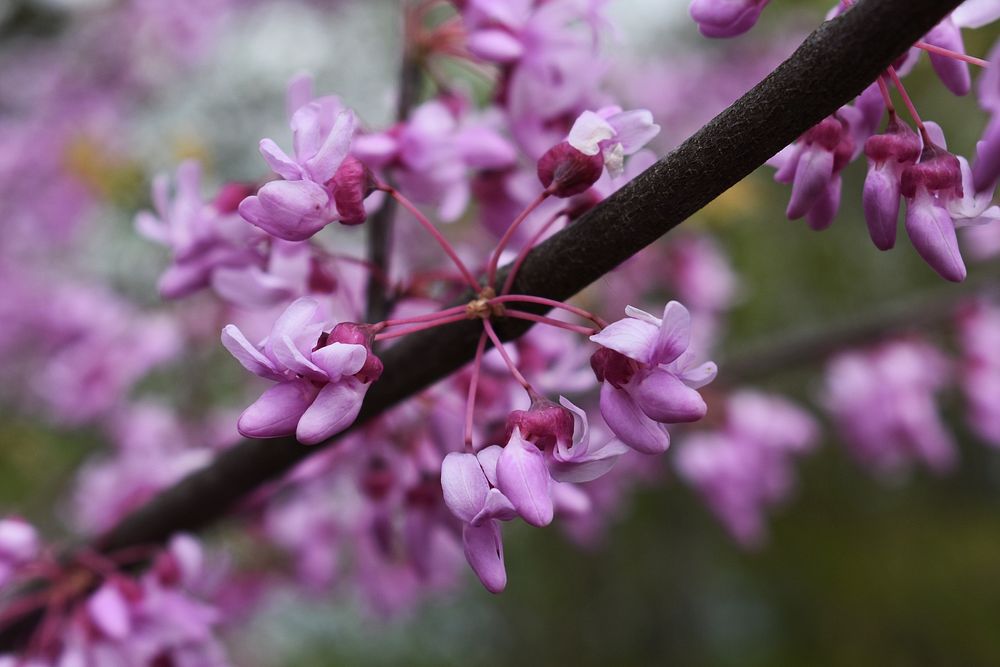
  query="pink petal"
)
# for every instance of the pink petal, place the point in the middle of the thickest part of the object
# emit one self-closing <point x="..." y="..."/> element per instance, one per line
<point x="813" y="172"/>
<point x="484" y="551"/>
<point x="633" y="338"/>
<point x="323" y="165"/>
<point x="278" y="410"/>
<point x="337" y="359"/>
<point x="628" y="422"/>
<point x="523" y="477"/>
<point x="932" y="233"/>
<point x="497" y="506"/>
<point x="674" y="335"/>
<point x="279" y="162"/>
<point x="247" y="354"/>
<point x="588" y="132"/>
<point x="495" y="45"/>
<point x="335" y="408"/>
<point x="464" y="485"/>
<point x="663" y="397"/>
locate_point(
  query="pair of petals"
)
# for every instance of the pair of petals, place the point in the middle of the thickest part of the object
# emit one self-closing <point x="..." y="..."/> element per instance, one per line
<point x="312" y="413"/>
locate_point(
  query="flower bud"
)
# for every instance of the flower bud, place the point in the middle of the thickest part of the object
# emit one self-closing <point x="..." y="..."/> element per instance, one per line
<point x="356" y="334"/>
<point x="351" y="185"/>
<point x="544" y="424"/>
<point x="565" y="171"/>
<point x="937" y="172"/>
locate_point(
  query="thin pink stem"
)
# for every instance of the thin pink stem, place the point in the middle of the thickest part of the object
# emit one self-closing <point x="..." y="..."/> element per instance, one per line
<point x="909" y="104"/>
<point x="551" y="303"/>
<point x="470" y="404"/>
<point x="532" y="242"/>
<point x="498" y="344"/>
<point x="421" y="327"/>
<point x="491" y="270"/>
<point x="541" y="319"/>
<point x="886" y="97"/>
<point x="427" y="317"/>
<point x="948" y="53"/>
<point x="432" y="230"/>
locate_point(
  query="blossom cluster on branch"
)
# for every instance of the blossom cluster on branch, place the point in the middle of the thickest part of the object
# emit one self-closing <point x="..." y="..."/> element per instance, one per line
<point x="557" y="426"/>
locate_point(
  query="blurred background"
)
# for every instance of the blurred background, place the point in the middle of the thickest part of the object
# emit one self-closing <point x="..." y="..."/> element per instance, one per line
<point x="857" y="570"/>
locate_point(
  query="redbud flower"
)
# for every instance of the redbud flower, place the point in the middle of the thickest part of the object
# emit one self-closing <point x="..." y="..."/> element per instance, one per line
<point x="470" y="492"/>
<point x="888" y="154"/>
<point x="745" y="468"/>
<point x="648" y="376"/>
<point x="813" y="165"/>
<point x="883" y="403"/>
<point x="726" y="18"/>
<point x="930" y="186"/>
<point x="304" y="202"/>
<point x="978" y="333"/>
<point x="596" y="140"/>
<point x="986" y="171"/>
<point x="321" y="378"/>
<point x="203" y="237"/>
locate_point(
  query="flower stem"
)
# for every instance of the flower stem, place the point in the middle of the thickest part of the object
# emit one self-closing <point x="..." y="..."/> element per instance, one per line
<point x="551" y="303"/>
<point x="427" y="317"/>
<point x="470" y="404"/>
<point x="498" y="344"/>
<point x="541" y="319"/>
<point x="948" y="53"/>
<point x="491" y="271"/>
<point x="909" y="104"/>
<point x="532" y="242"/>
<point x="421" y="327"/>
<point x="432" y="230"/>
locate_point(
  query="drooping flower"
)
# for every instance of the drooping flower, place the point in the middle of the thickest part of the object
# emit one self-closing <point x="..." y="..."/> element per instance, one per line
<point x="322" y="377"/>
<point x="930" y="186"/>
<point x="888" y="155"/>
<point x="320" y="185"/>
<point x="649" y="378"/>
<point x="203" y="237"/>
<point x="883" y="403"/>
<point x="433" y="153"/>
<point x="745" y="468"/>
<point x="978" y="331"/>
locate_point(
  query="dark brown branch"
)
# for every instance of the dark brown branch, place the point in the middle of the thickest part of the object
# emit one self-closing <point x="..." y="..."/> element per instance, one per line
<point x="380" y="224"/>
<point x="830" y="68"/>
<point x="913" y="314"/>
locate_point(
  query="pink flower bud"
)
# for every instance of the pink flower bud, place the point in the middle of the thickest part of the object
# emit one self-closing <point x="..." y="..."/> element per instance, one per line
<point x="544" y="424"/>
<point x="351" y="185"/>
<point x="565" y="171"/>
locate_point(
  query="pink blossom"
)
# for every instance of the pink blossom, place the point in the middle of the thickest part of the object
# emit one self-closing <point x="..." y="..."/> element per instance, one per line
<point x="306" y="200"/>
<point x="321" y="378"/>
<point x="203" y="237"/>
<point x="978" y="331"/>
<point x="649" y="378"/>
<point x="745" y="468"/>
<point x="882" y="401"/>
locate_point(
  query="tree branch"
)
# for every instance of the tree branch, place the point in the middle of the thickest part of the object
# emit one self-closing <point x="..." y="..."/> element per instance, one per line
<point x="380" y="224"/>
<point x="915" y="313"/>
<point x="831" y="67"/>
